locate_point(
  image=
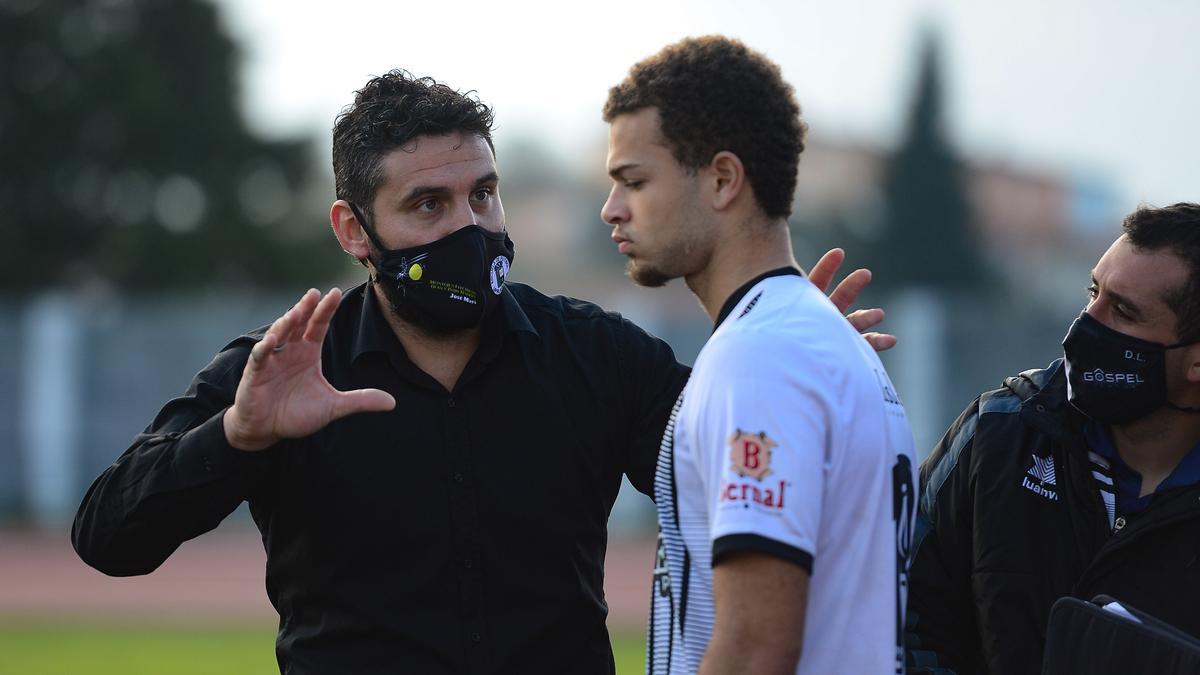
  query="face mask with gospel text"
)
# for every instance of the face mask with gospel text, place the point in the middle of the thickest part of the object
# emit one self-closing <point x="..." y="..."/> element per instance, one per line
<point x="1112" y="377"/>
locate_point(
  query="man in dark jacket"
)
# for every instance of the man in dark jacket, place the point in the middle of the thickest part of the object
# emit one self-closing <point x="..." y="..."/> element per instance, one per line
<point x="1078" y="479"/>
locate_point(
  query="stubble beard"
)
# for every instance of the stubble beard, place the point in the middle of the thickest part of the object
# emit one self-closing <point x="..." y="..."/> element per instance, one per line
<point x="420" y="320"/>
<point x="643" y="274"/>
<point x="678" y="259"/>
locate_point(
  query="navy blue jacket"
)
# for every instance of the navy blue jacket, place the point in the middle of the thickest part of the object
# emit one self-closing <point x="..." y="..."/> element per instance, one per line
<point x="1001" y="536"/>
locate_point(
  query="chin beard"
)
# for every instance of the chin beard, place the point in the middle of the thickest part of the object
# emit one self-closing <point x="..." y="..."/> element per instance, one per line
<point x="644" y="275"/>
<point x="412" y="315"/>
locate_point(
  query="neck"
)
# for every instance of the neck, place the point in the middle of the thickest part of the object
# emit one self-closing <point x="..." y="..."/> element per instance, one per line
<point x="755" y="248"/>
<point x="1154" y="445"/>
<point x="442" y="357"/>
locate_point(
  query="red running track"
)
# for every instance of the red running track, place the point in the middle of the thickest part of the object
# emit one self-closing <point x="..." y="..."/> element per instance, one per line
<point x="218" y="577"/>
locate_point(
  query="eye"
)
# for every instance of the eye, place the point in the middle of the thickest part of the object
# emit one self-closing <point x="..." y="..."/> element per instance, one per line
<point x="634" y="184"/>
<point x="1093" y="291"/>
<point x="483" y="194"/>
<point x="428" y="205"/>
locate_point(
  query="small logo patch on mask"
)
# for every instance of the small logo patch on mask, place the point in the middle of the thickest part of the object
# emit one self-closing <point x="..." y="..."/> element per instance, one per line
<point x="498" y="273"/>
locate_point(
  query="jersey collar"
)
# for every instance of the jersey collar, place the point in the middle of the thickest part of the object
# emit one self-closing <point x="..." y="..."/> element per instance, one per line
<point x="745" y="288"/>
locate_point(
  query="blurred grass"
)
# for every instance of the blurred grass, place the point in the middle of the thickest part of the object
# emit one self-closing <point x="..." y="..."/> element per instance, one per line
<point x="105" y="648"/>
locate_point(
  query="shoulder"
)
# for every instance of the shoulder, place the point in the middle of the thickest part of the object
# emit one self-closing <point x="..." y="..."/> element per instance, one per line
<point x="574" y="318"/>
<point x="1046" y="385"/>
<point x="538" y="305"/>
<point x="787" y="329"/>
<point x="993" y="427"/>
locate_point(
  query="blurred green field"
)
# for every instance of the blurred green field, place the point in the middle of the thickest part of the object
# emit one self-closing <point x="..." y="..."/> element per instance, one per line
<point x="100" y="648"/>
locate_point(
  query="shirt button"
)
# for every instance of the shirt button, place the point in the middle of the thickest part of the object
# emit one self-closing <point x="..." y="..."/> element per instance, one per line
<point x="1119" y="524"/>
<point x="458" y="478"/>
<point x="467" y="563"/>
<point x="476" y="637"/>
<point x="450" y="402"/>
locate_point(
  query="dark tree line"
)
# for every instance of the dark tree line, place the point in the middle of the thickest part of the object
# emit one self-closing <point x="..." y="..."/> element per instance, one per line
<point x="123" y="156"/>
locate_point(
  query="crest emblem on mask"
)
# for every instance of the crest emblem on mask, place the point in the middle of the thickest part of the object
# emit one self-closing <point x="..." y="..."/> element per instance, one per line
<point x="499" y="272"/>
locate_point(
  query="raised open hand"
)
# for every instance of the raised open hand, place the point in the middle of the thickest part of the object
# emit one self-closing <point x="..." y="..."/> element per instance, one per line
<point x="283" y="393"/>
<point x="846" y="292"/>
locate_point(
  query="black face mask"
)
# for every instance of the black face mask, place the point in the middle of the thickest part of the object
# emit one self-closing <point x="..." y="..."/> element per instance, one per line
<point x="1112" y="377"/>
<point x="447" y="285"/>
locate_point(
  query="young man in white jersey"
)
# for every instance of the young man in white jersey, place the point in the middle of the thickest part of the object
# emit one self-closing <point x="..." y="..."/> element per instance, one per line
<point x="785" y="481"/>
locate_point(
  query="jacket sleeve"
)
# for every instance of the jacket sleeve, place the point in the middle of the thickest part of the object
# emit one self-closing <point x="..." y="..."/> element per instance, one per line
<point x="941" y="637"/>
<point x="178" y="479"/>
<point x="652" y="380"/>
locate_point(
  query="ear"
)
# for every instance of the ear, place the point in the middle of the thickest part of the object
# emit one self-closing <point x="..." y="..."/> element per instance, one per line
<point x="1192" y="360"/>
<point x="348" y="230"/>
<point x="728" y="179"/>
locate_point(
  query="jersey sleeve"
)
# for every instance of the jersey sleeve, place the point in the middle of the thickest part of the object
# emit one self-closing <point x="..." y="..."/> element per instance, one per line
<point x="764" y="440"/>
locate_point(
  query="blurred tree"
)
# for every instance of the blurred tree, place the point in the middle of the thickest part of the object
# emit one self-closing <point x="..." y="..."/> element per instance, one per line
<point x="123" y="156"/>
<point x="926" y="235"/>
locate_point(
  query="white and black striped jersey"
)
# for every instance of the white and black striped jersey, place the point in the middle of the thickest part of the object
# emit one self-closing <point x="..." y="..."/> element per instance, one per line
<point x="788" y="439"/>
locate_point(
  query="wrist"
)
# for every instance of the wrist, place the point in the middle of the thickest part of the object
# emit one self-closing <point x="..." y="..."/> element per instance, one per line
<point x="235" y="435"/>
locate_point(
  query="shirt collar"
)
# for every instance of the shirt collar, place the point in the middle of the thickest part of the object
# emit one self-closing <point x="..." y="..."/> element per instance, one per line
<point x="745" y="288"/>
<point x="375" y="335"/>
<point x="1187" y="472"/>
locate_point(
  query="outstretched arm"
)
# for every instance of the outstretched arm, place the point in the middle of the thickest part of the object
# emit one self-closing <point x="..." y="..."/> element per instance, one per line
<point x="187" y="471"/>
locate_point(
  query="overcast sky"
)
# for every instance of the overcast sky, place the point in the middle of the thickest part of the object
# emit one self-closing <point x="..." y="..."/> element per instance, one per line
<point x="1103" y="89"/>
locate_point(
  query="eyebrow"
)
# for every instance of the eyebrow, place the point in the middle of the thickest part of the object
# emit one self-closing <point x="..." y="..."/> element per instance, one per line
<point x="616" y="171"/>
<point x="1131" y="308"/>
<point x="438" y="190"/>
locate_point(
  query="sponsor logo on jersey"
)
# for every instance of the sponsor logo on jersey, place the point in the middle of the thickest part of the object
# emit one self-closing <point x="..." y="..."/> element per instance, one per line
<point x="770" y="496"/>
<point x="751" y="454"/>
<point x="750" y="457"/>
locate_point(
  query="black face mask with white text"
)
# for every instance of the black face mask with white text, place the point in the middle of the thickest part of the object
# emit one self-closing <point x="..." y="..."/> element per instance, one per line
<point x="447" y="285"/>
<point x="1112" y="377"/>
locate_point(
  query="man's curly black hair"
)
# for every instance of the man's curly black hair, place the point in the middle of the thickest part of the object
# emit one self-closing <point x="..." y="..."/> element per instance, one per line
<point x="1174" y="228"/>
<point x="388" y="113"/>
<point x="715" y="94"/>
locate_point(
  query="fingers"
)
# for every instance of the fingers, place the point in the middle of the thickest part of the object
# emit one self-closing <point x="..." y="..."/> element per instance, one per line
<point x="321" y="316"/>
<point x="821" y="274"/>
<point x="880" y="342"/>
<point x="280" y="332"/>
<point x="361" y="400"/>
<point x="865" y="319"/>
<point x="847" y="292"/>
<point x="301" y="313"/>
<point x="262" y="350"/>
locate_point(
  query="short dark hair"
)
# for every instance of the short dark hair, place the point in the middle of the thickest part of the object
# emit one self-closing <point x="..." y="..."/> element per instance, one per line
<point x="388" y="112"/>
<point x="1175" y="228"/>
<point x="716" y="94"/>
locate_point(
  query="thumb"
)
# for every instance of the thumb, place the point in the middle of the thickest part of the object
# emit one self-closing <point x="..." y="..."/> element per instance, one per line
<point x="362" y="400"/>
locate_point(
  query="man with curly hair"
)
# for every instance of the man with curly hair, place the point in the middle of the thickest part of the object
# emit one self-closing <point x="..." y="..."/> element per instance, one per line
<point x="785" y="484"/>
<point x="432" y="456"/>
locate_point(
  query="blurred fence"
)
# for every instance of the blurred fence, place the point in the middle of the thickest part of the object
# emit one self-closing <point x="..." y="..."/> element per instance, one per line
<point x="83" y="373"/>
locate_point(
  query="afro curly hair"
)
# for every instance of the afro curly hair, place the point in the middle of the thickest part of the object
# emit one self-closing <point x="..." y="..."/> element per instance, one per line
<point x="715" y="94"/>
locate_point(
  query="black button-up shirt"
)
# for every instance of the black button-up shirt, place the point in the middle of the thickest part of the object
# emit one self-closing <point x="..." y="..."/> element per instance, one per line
<point x="464" y="531"/>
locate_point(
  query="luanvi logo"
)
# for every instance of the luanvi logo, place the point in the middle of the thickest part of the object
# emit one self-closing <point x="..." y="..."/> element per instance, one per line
<point x="1042" y="473"/>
